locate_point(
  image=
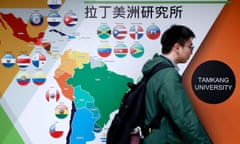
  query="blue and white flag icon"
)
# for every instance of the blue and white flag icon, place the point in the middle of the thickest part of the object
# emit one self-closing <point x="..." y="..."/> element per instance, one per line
<point x="54" y="4"/>
<point x="8" y="60"/>
<point x="54" y="19"/>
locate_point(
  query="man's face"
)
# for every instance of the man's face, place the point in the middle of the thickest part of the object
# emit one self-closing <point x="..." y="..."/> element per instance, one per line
<point x="185" y="51"/>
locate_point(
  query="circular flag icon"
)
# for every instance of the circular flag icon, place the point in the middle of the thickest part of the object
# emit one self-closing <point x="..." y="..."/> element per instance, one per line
<point x="136" y="32"/>
<point x="23" y="61"/>
<point x="61" y="111"/>
<point x="70" y="19"/>
<point x="39" y="78"/>
<point x="120" y="50"/>
<point x="54" y="4"/>
<point x="119" y="32"/>
<point x="23" y="79"/>
<point x="54" y="19"/>
<point x="55" y="133"/>
<point x="104" y="50"/>
<point x="8" y="60"/>
<point x="52" y="94"/>
<point x="104" y="32"/>
<point x="137" y="50"/>
<point x="38" y="60"/>
<point x="36" y="19"/>
<point x="153" y="32"/>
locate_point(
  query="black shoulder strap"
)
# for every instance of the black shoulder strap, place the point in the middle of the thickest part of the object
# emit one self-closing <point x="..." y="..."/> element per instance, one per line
<point x="156" y="68"/>
<point x="155" y="122"/>
<point x="149" y="74"/>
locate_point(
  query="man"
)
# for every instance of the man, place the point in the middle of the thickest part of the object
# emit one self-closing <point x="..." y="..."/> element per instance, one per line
<point x="181" y="124"/>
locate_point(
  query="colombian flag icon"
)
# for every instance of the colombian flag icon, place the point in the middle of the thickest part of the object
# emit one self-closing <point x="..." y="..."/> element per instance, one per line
<point x="39" y="78"/>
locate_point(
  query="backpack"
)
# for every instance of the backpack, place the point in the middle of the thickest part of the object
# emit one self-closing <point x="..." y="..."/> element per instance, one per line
<point x="128" y="126"/>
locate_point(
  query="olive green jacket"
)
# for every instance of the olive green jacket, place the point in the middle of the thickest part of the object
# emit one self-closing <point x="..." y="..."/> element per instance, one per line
<point x="165" y="87"/>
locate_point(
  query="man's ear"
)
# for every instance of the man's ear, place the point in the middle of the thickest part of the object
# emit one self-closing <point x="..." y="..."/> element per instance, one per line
<point x="176" y="46"/>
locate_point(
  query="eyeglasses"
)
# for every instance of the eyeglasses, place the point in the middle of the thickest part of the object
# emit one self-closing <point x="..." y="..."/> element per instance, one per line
<point x="191" y="47"/>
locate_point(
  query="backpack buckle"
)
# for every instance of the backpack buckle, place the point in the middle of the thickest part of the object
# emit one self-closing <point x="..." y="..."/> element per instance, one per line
<point x="149" y="130"/>
<point x="138" y="130"/>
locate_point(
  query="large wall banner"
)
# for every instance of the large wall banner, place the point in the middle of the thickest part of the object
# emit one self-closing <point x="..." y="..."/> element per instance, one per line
<point x="65" y="64"/>
<point x="212" y="77"/>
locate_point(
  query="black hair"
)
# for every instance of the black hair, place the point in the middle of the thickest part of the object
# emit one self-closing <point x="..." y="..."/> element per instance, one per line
<point x="175" y="34"/>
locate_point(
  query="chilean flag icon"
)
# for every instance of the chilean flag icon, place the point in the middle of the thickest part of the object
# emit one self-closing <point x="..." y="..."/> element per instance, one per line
<point x="55" y="133"/>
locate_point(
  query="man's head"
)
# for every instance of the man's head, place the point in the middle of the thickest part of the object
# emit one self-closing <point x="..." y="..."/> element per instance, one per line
<point x="177" y="43"/>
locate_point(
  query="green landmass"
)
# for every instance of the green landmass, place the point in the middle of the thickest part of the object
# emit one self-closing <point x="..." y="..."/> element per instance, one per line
<point x="105" y="86"/>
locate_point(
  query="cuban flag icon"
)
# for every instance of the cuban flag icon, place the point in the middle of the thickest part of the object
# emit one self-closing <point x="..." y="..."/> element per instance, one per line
<point x="70" y="19"/>
<point x="8" y="60"/>
<point x="38" y="60"/>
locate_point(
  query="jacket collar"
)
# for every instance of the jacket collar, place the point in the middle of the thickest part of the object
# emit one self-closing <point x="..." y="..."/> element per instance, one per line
<point x="172" y="62"/>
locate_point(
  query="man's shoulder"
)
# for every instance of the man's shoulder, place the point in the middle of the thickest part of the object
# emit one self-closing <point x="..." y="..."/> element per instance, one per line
<point x="167" y="74"/>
